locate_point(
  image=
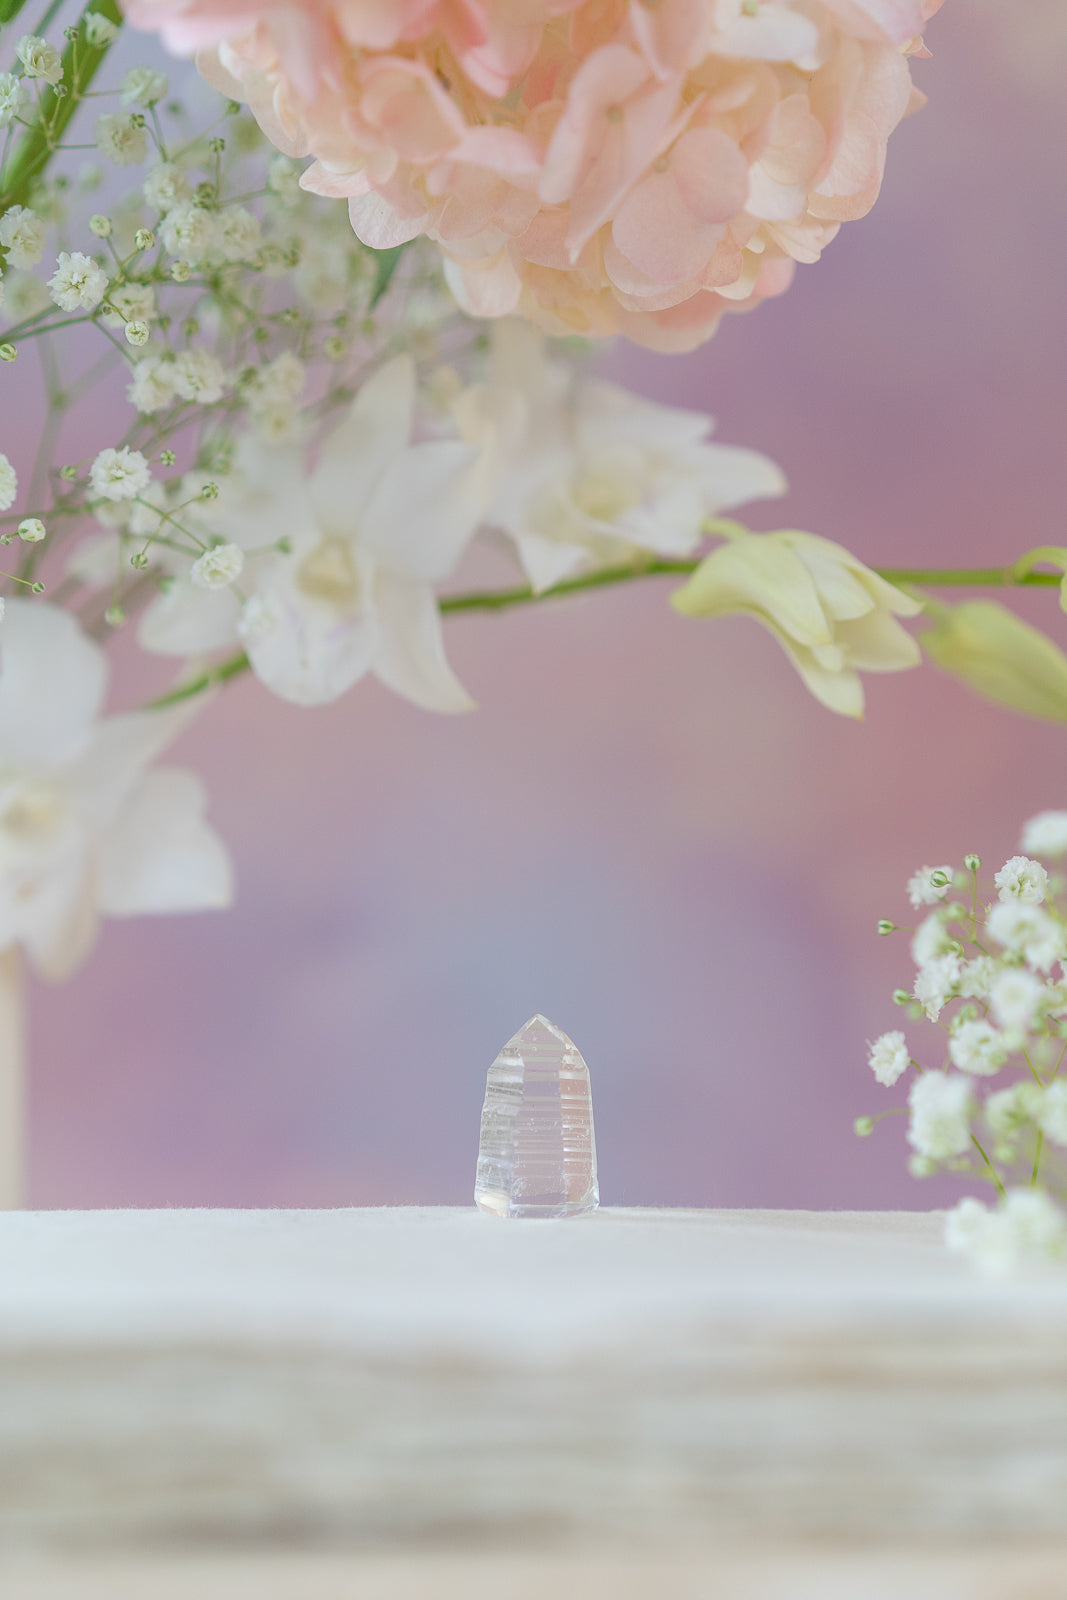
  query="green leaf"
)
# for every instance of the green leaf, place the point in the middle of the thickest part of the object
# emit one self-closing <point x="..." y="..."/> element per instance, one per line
<point x="34" y="149"/>
<point x="385" y="264"/>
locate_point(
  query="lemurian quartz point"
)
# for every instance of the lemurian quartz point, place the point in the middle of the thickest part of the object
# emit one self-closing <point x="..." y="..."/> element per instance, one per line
<point x="537" y="1155"/>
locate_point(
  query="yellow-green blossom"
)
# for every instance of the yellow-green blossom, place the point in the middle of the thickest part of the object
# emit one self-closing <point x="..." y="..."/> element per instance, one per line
<point x="833" y="616"/>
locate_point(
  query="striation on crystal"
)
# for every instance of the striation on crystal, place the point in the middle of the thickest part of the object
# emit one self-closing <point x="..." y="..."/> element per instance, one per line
<point x="536" y="1154"/>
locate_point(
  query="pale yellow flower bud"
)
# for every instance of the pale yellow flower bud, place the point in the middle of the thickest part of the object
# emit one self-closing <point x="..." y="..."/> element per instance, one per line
<point x="1002" y="657"/>
<point x="833" y="616"/>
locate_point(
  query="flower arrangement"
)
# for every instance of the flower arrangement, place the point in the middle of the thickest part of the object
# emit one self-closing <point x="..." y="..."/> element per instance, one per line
<point x="990" y="977"/>
<point x="313" y="322"/>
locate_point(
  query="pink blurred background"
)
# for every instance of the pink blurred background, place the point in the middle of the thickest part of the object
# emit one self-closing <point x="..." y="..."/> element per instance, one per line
<point x="648" y="830"/>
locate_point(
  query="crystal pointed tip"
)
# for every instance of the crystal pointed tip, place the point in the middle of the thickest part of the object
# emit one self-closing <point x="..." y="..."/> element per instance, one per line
<point x="539" y="1024"/>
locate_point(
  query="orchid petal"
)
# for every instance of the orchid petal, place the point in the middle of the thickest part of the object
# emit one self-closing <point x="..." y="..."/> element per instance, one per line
<point x="185" y="620"/>
<point x="159" y="855"/>
<point x="361" y="449"/>
<point x="310" y="652"/>
<point x="424" y="510"/>
<point x="52" y="685"/>
<point x="120" y="750"/>
<point x="410" y="658"/>
<point x="57" y="920"/>
<point x="547" y="562"/>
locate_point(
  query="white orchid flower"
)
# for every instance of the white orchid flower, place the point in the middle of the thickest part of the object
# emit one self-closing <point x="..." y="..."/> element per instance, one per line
<point x="86" y="829"/>
<point x="582" y="473"/>
<point x="371" y="530"/>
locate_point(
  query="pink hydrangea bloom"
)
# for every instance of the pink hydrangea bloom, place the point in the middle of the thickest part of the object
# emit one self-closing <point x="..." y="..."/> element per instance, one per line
<point x="599" y="166"/>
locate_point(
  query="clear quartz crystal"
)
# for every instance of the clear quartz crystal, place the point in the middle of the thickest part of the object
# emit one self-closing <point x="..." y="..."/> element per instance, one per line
<point x="537" y="1155"/>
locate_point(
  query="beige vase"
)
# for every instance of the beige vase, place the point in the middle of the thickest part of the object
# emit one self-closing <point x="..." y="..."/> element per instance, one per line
<point x="12" y="1082"/>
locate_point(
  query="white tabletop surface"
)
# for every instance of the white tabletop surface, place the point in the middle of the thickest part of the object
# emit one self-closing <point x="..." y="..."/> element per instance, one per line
<point x="426" y="1274"/>
<point x="354" y="1389"/>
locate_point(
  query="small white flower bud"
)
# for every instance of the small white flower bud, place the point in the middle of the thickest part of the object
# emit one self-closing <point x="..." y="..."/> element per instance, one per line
<point x="188" y="231"/>
<point x="119" y="474"/>
<point x="99" y="30"/>
<point x="888" y="1058"/>
<point x="181" y="271"/>
<point x="121" y="139"/>
<point x="13" y="97"/>
<point x="143" y="86"/>
<point x="144" y="238"/>
<point x="31" y="530"/>
<point x="9" y="484"/>
<point x="8" y="352"/>
<point x="259" y="619"/>
<point x="283" y="177"/>
<point x="137" y="333"/>
<point x="22" y="236"/>
<point x="39" y="58"/>
<point x="217" y="568"/>
<point x="100" y="225"/>
<point x="77" y="284"/>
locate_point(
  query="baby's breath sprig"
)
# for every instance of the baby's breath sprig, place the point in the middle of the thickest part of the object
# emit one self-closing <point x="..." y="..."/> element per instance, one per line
<point x="240" y="306"/>
<point x="991" y="976"/>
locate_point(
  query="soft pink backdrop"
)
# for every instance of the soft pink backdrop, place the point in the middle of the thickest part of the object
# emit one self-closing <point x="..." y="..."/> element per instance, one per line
<point x="648" y="830"/>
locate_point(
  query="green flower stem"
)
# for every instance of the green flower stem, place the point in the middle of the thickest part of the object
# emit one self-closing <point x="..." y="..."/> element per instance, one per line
<point x="1047" y="554"/>
<point x="1037" y="1158"/>
<point x="970" y="577"/>
<point x="1059" y="1064"/>
<point x="994" y="1174"/>
<point x="1033" y="1069"/>
<point x="523" y="594"/>
<point x="607" y="577"/>
<point x="32" y="326"/>
<point x="212" y="678"/>
<point x="35" y="148"/>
